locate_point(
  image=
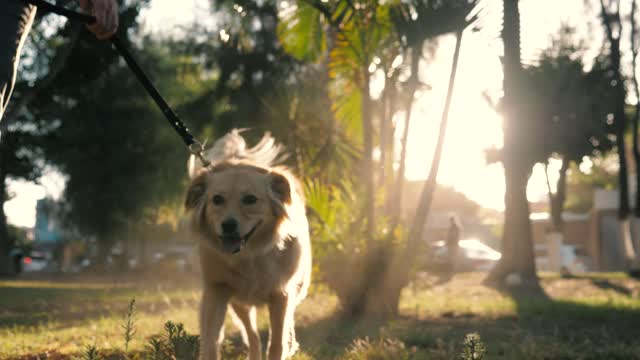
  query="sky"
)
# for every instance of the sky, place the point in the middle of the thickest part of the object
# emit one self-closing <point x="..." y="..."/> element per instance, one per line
<point x="473" y="125"/>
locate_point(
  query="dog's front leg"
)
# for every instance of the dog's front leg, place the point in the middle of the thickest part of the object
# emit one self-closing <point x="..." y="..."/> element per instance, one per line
<point x="249" y="329"/>
<point x="281" y="318"/>
<point x="212" y="312"/>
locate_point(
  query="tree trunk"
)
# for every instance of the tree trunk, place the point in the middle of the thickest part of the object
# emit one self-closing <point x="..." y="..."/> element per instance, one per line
<point x="384" y="133"/>
<point x="635" y="262"/>
<point x="325" y="99"/>
<point x="620" y="126"/>
<point x="636" y="152"/>
<point x="611" y="20"/>
<point x="396" y="207"/>
<point x="385" y="177"/>
<point x="368" y="169"/>
<point x="636" y="115"/>
<point x="390" y="173"/>
<point x="426" y="198"/>
<point x="517" y="241"/>
<point x="5" y="245"/>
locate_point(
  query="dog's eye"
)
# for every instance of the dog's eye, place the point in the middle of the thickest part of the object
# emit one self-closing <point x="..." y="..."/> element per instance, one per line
<point x="218" y="200"/>
<point x="249" y="199"/>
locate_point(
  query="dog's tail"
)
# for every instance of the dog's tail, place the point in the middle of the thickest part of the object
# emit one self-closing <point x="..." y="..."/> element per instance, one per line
<point x="267" y="152"/>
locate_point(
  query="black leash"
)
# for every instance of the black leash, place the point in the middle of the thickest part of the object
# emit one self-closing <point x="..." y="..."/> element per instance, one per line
<point x="195" y="147"/>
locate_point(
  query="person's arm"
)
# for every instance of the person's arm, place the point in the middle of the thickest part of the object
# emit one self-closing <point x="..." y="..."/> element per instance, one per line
<point x="106" y="13"/>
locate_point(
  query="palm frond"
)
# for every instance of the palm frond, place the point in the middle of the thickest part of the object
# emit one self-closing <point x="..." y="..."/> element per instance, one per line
<point x="419" y="20"/>
<point x="301" y="32"/>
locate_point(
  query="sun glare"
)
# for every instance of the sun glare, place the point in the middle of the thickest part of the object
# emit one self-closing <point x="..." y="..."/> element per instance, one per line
<point x="473" y="125"/>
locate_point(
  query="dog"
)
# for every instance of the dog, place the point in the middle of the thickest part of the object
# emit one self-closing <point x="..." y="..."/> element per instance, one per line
<point x="249" y="218"/>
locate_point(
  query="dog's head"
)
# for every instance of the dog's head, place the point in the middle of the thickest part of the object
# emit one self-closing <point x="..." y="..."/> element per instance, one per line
<point x="237" y="206"/>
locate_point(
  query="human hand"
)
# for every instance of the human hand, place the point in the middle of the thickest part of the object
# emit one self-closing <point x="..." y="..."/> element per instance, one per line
<point x="106" y="14"/>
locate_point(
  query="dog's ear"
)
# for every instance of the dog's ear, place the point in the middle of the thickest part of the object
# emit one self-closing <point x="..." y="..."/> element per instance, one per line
<point x="196" y="192"/>
<point x="280" y="194"/>
<point x="281" y="187"/>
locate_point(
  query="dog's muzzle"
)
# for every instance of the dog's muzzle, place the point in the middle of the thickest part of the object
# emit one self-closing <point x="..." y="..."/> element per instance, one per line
<point x="233" y="243"/>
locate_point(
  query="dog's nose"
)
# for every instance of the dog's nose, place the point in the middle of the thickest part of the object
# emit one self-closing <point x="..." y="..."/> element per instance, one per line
<point x="230" y="226"/>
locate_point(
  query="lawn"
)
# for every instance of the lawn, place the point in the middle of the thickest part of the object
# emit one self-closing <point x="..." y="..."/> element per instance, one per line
<point x="595" y="317"/>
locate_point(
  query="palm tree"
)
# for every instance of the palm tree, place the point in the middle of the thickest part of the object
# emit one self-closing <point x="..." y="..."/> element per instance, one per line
<point x="354" y="32"/>
<point x="417" y="22"/>
<point x="459" y="19"/>
<point x="426" y="198"/>
<point x="362" y="32"/>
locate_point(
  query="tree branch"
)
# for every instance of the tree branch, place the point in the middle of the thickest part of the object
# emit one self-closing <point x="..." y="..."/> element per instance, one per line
<point x="607" y="21"/>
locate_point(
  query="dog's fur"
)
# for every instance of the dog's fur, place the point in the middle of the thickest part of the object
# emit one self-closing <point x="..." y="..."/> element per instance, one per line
<point x="261" y="255"/>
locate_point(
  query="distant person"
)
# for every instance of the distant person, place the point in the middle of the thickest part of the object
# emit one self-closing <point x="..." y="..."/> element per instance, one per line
<point x="453" y="237"/>
<point x="16" y="18"/>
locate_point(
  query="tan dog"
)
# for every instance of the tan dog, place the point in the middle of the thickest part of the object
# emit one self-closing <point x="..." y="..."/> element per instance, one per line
<point x="250" y="221"/>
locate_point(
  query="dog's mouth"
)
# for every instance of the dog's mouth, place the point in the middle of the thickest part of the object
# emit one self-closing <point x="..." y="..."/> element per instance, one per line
<point x="233" y="243"/>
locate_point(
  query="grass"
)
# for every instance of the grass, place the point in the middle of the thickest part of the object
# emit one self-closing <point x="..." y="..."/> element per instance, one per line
<point x="594" y="317"/>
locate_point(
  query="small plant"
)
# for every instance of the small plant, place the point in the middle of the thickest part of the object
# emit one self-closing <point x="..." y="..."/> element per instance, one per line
<point x="174" y="344"/>
<point x="474" y="348"/>
<point x="90" y="353"/>
<point x="156" y="350"/>
<point x="129" y="325"/>
<point x="181" y="344"/>
<point x="383" y="349"/>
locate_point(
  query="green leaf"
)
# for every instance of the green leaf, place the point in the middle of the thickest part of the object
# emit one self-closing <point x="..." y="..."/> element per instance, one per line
<point x="301" y="32"/>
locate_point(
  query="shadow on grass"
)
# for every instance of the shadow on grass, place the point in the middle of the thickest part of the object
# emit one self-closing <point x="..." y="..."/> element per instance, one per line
<point x="581" y="328"/>
<point x="620" y="312"/>
<point x="540" y="328"/>
<point x="606" y="284"/>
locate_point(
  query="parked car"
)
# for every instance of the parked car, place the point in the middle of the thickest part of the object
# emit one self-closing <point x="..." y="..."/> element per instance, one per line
<point x="28" y="261"/>
<point x="35" y="261"/>
<point x="473" y="255"/>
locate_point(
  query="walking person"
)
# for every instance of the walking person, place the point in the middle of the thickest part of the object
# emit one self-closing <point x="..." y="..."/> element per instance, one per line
<point x="453" y="238"/>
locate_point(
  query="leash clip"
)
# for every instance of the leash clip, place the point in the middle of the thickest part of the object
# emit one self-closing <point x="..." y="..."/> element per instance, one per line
<point x="197" y="150"/>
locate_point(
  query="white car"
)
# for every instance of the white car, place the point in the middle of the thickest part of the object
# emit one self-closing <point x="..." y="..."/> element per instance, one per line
<point x="34" y="261"/>
<point x="473" y="255"/>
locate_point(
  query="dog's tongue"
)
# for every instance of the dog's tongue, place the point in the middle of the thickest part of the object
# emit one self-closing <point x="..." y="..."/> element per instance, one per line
<point x="232" y="244"/>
